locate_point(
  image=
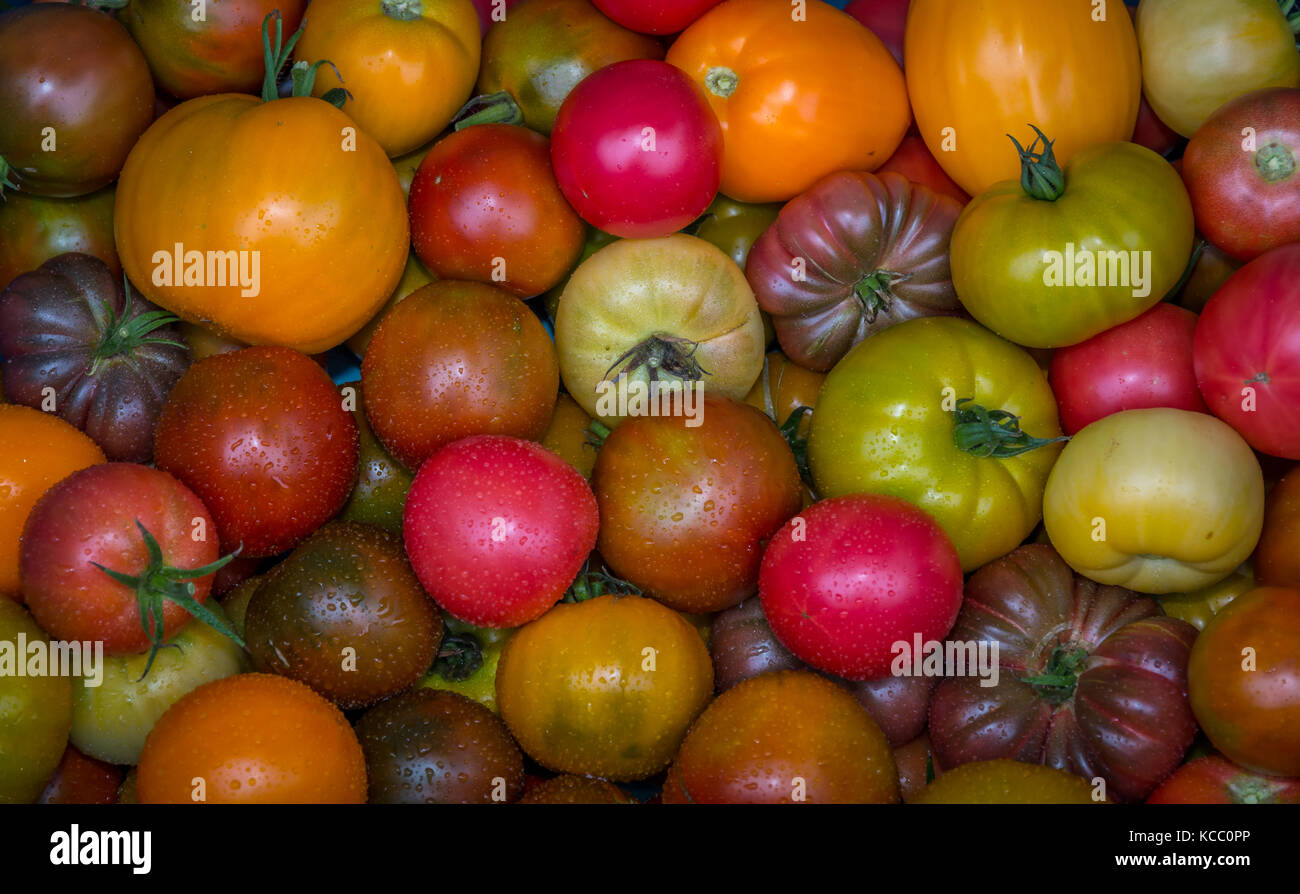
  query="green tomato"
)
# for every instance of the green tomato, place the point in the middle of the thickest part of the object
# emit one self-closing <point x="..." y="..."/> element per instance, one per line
<point x="735" y="226"/>
<point x="111" y="721"/>
<point x="892" y="419"/>
<point x="382" y="482"/>
<point x="467" y="661"/>
<point x="35" y="713"/>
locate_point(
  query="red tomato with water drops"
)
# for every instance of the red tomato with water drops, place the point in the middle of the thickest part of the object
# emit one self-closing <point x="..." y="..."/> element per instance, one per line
<point x="655" y="16"/>
<point x="1146" y="362"/>
<point x="850" y="576"/>
<point x="497" y="528"/>
<point x="637" y="150"/>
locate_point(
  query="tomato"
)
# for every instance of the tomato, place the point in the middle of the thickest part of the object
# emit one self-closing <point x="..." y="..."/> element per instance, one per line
<point x="1210" y="270"/>
<point x="432" y="747"/>
<point x="892" y="418"/>
<point x="784" y="737"/>
<point x="1245" y="190"/>
<point x="899" y="705"/>
<point x="636" y="149"/>
<point x="1159" y="501"/>
<point x="1146" y="362"/>
<point x="913" y="160"/>
<point x="492" y="11"/>
<point x="1153" y="133"/>
<point x="1007" y="782"/>
<point x="735" y="226"/>
<point x="687" y="502"/>
<point x="501" y="503"/>
<point x="1277" y="558"/>
<point x="382" y="482"/>
<point x="218" y="53"/>
<point x="655" y="16"/>
<point x="570" y="789"/>
<point x="252" y="739"/>
<point x="538" y="53"/>
<point x="1069" y="68"/>
<point x="261" y="435"/>
<point x="408" y="65"/>
<point x="35" y="712"/>
<point x="742" y="645"/>
<point x="34" y="229"/>
<point x="75" y="344"/>
<point x="604" y="687"/>
<point x="1198" y="607"/>
<point x="82" y="780"/>
<point x="467" y="662"/>
<point x="783" y="389"/>
<point x="75" y="94"/>
<point x="1046" y="263"/>
<point x="1215" y="780"/>
<point x="235" y="602"/>
<point x="1247" y="352"/>
<point x="596" y="240"/>
<point x="1199" y="54"/>
<point x="887" y="19"/>
<point x="319" y="244"/>
<point x="111" y="721"/>
<point x="847" y="578"/>
<point x="1242" y="680"/>
<point x="569" y="435"/>
<point x="674" y="310"/>
<point x="414" y="277"/>
<point x="797" y="97"/>
<point x="456" y="359"/>
<point x="915" y="767"/>
<point x="485" y="206"/>
<point x="854" y="255"/>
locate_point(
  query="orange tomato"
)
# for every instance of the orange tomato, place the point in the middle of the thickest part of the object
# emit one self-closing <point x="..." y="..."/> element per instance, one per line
<point x="37" y="450"/>
<point x="800" y="92"/>
<point x="784" y="387"/>
<point x="567" y="435"/>
<point x="409" y="64"/>
<point x="991" y="69"/>
<point x="414" y="276"/>
<point x="252" y="739"/>
<point x="1277" y="557"/>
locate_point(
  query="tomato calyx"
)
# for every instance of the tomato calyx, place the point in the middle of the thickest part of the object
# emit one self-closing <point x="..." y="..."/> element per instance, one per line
<point x="592" y="582"/>
<point x="1275" y="161"/>
<point x="597" y="432"/>
<point x="798" y="443"/>
<point x="460" y="655"/>
<point x="488" y="108"/>
<point x="1251" y="789"/>
<point x="993" y="433"/>
<point x="671" y="355"/>
<point x="1259" y="378"/>
<point x="303" y="75"/>
<point x="874" y="291"/>
<point x="1059" y="678"/>
<point x="160" y="581"/>
<point x="721" y="81"/>
<point x="1041" y="176"/>
<point x="126" y="333"/>
<point x="1291" y="12"/>
<point x="5" y="182"/>
<point x="401" y="10"/>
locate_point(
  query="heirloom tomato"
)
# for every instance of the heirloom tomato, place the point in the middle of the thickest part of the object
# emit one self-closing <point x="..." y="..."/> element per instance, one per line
<point x="382" y="482"/>
<point x="1277" y="558"/>
<point x="1007" y="782"/>
<point x="655" y="16"/>
<point x="82" y="780"/>
<point x="1159" y="501"/>
<point x="34" y="229"/>
<point x="570" y="789"/>
<point x="467" y="661"/>
<point x="1063" y="254"/>
<point x="414" y="277"/>
<point x="951" y="418"/>
<point x="1213" y="779"/>
<point x="35" y="711"/>
<point x="913" y="160"/>
<point x="785" y="388"/>
<point x="1198" y="607"/>
<point x="1199" y="54"/>
<point x="674" y="310"/>
<point x="899" y="704"/>
<point x="1242" y="680"/>
<point x="735" y="226"/>
<point x="1005" y="65"/>
<point x="637" y="150"/>
<point x="605" y="687"/>
<point x="1247" y="352"/>
<point x="887" y="19"/>
<point x="569" y="435"/>
<point x="742" y="645"/>
<point x="407" y="65"/>
<point x="797" y="98"/>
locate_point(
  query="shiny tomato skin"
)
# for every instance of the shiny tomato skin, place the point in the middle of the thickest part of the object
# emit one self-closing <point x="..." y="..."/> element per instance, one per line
<point x="1146" y="362"/>
<point x="1007" y="782"/>
<point x="848" y="577"/>
<point x="1213" y="779"/>
<point x="1247" y="352"/>
<point x="91" y="517"/>
<point x="484" y="204"/>
<point x="260" y="434"/>
<point x="637" y="150"/>
<point x="1277" y="557"/>
<point x="913" y="160"/>
<point x="497" y="528"/>
<point x="655" y="16"/>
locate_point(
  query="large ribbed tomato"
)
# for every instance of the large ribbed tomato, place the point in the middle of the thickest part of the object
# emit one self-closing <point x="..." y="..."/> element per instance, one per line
<point x="1070" y="67"/>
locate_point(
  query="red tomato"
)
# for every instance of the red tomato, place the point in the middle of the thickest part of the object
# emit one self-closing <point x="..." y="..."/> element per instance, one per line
<point x="637" y="150"/>
<point x="1213" y="779"/>
<point x="1247" y="352"/>
<point x="913" y="160"/>
<point x="655" y="16"/>
<point x="82" y="780"/>
<point x="850" y="576"/>
<point x="1153" y="133"/>
<point x="1240" y="170"/>
<point x="497" y="528"/>
<point x="886" y="19"/>
<point x="261" y="435"/>
<point x="1146" y="362"/>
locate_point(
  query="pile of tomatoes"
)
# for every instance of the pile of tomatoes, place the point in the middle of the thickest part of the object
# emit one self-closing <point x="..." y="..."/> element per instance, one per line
<point x="593" y="401"/>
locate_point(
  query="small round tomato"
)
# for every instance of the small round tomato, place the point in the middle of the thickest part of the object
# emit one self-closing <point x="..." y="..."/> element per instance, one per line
<point x="261" y="435"/>
<point x="637" y="150"/>
<point x="850" y="576"/>
<point x="1008" y="782"/>
<point x="655" y="16"/>
<point x="1213" y="779"/>
<point x="485" y="207"/>
<point x="456" y="359"/>
<point x="82" y="780"/>
<point x="1277" y="557"/>
<point x="252" y="739"/>
<point x="605" y="687"/>
<point x="1146" y="362"/>
<point x="504" y="504"/>
<point x="35" y="714"/>
<point x="735" y="226"/>
<point x="784" y="737"/>
<point x="1242" y="680"/>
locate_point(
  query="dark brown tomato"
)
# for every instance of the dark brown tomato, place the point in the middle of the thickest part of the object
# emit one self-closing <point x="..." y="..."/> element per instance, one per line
<point x="743" y="646"/>
<point x="345" y="614"/>
<point x="75" y="94"/>
<point x="430" y="746"/>
<point x="899" y="705"/>
<point x="915" y="766"/>
<point x="34" y="229"/>
<point x="456" y="359"/>
<point x="686" y="504"/>
<point x="382" y="482"/>
<point x="570" y="789"/>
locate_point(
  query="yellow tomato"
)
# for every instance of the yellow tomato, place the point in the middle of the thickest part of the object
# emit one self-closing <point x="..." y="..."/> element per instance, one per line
<point x="1198" y="607"/>
<point x="567" y="435"/>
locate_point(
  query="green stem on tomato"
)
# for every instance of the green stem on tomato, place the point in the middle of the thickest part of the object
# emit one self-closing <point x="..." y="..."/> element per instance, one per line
<point x="276" y="54"/>
<point x="591" y="583"/>
<point x="1275" y="161"/>
<point x="875" y="291"/>
<point x="460" y="655"/>
<point x="721" y="81"/>
<point x="993" y="433"/>
<point x="1058" y="680"/>
<point x="126" y="333"/>
<point x="670" y="355"/>
<point x="489" y="108"/>
<point x="1040" y="175"/>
